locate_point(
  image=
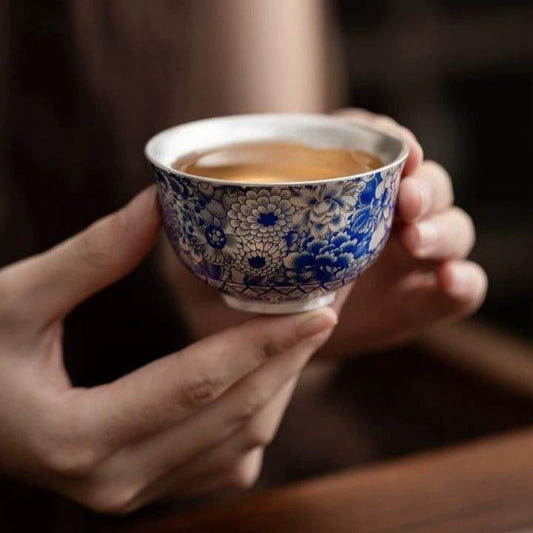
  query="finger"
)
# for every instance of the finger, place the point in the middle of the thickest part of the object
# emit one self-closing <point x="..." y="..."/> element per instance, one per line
<point x="428" y="190"/>
<point x="460" y="289"/>
<point x="457" y="290"/>
<point x="257" y="433"/>
<point x="240" y="476"/>
<point x="220" y="420"/>
<point x="447" y="235"/>
<point x="220" y="458"/>
<point x="395" y="263"/>
<point x="408" y="304"/>
<point x="59" y="279"/>
<point x="416" y="154"/>
<point x="464" y="281"/>
<point x="168" y="390"/>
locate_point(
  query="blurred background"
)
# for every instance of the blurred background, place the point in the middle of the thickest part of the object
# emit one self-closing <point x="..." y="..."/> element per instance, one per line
<point x="84" y="84"/>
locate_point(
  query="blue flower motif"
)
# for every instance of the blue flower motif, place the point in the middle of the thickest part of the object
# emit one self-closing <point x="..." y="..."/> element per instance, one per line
<point x="181" y="188"/>
<point x="213" y="245"/>
<point x="179" y="214"/>
<point x="324" y="208"/>
<point x="261" y="213"/>
<point x="367" y="195"/>
<point x="215" y="237"/>
<point x="294" y="239"/>
<point x="325" y="260"/>
<point x="261" y="259"/>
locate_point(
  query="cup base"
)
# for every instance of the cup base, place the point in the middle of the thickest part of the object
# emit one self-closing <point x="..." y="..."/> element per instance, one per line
<point x="251" y="306"/>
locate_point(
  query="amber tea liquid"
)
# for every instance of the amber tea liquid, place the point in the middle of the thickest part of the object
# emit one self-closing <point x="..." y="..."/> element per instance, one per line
<point x="277" y="162"/>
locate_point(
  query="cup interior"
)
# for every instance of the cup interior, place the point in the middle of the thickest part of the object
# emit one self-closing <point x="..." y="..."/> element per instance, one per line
<point x="319" y="131"/>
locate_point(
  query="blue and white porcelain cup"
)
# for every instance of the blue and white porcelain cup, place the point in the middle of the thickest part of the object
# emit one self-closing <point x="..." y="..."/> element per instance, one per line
<point x="277" y="247"/>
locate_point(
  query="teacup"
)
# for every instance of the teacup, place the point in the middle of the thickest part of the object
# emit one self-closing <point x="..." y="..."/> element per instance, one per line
<point x="324" y="233"/>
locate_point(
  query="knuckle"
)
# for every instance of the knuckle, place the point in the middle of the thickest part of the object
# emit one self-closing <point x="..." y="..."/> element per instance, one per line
<point x="235" y="424"/>
<point x="268" y="339"/>
<point x="246" y="409"/>
<point x="253" y="401"/>
<point x="201" y="391"/>
<point x="262" y="349"/>
<point x="61" y="448"/>
<point x="272" y="346"/>
<point x="254" y="341"/>
<point x="243" y="414"/>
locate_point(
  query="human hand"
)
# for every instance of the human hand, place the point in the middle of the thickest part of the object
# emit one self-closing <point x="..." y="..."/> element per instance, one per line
<point x="191" y="422"/>
<point x="421" y="278"/>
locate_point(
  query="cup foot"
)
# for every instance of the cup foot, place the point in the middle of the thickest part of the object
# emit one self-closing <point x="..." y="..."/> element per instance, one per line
<point x="252" y="306"/>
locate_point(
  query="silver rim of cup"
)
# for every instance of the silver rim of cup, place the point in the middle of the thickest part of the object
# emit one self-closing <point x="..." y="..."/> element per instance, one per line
<point x="170" y="136"/>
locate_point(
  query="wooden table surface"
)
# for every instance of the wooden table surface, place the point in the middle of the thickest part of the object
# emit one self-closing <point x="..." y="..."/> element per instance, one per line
<point x="482" y="486"/>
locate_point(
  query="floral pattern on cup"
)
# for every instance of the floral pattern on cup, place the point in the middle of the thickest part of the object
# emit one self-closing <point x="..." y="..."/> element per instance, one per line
<point x="279" y="242"/>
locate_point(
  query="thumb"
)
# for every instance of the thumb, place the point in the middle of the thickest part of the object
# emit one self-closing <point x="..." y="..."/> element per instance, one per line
<point x="59" y="279"/>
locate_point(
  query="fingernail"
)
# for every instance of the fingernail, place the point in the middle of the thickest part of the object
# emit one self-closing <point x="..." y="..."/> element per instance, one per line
<point x="461" y="282"/>
<point x="412" y="200"/>
<point x="427" y="236"/>
<point x="419" y="204"/>
<point x="423" y="201"/>
<point x="316" y="322"/>
<point x="140" y="204"/>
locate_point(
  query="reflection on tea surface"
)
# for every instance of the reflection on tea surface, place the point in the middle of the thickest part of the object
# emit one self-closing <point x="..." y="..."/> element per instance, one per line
<point x="273" y="162"/>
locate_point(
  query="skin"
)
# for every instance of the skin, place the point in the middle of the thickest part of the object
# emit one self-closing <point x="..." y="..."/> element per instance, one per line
<point x="198" y="420"/>
<point x="191" y="422"/>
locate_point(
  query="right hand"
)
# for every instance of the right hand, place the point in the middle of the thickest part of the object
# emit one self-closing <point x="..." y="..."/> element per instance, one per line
<point x="192" y="422"/>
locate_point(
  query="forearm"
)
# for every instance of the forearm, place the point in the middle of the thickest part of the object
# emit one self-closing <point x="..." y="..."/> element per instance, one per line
<point x="263" y="56"/>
